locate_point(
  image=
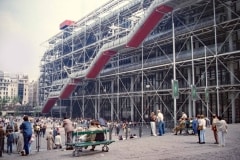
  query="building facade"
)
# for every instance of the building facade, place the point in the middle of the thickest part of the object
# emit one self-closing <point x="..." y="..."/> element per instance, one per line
<point x="13" y="89"/>
<point x="33" y="94"/>
<point x="127" y="59"/>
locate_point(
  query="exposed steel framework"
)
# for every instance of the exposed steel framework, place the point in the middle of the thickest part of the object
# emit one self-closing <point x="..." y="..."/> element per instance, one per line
<point x="118" y="62"/>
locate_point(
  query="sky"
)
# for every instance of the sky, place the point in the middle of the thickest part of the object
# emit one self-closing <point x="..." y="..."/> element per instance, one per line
<point x="26" y="24"/>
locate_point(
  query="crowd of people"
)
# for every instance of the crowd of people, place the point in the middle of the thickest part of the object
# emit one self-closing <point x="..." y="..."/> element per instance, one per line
<point x="198" y="127"/>
<point x="25" y="134"/>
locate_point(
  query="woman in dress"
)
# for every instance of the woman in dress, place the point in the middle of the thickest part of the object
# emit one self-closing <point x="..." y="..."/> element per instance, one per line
<point x="222" y="131"/>
<point x="20" y="142"/>
<point x="50" y="141"/>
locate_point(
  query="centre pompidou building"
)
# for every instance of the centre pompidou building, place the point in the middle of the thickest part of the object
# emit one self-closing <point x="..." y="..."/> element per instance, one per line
<point x="128" y="58"/>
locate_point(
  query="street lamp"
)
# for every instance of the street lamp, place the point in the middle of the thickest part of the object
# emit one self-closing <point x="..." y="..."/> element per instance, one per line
<point x="147" y="86"/>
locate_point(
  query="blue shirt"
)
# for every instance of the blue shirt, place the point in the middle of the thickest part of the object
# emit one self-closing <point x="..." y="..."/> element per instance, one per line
<point x="26" y="127"/>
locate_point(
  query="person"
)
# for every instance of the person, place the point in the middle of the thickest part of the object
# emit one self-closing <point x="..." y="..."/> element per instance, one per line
<point x="187" y="125"/>
<point x="9" y="128"/>
<point x="50" y="141"/>
<point x="2" y="134"/>
<point x="179" y="127"/>
<point x="160" y="120"/>
<point x="99" y="136"/>
<point x="184" y="116"/>
<point x="68" y="127"/>
<point x="30" y="142"/>
<point x="26" y="128"/>
<point x="10" y="141"/>
<point x="55" y="132"/>
<point x="117" y="126"/>
<point x="194" y="126"/>
<point x="214" y="128"/>
<point x="222" y="126"/>
<point x="126" y="129"/>
<point x="15" y="127"/>
<point x="20" y="141"/>
<point x="202" y="128"/>
<point x="58" y="141"/>
<point x="198" y="129"/>
<point x="44" y="128"/>
<point x="153" y="119"/>
<point x="91" y="137"/>
<point x="95" y="125"/>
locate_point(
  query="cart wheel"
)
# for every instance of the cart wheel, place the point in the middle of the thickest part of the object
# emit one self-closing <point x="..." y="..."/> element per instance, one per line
<point x="73" y="153"/>
<point x="106" y="150"/>
<point x="78" y="153"/>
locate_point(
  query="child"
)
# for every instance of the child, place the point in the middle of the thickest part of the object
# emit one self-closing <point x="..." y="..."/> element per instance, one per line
<point x="10" y="140"/>
<point x="30" y="142"/>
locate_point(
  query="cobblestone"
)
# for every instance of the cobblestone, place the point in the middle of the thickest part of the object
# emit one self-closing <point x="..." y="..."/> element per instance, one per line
<point x="166" y="147"/>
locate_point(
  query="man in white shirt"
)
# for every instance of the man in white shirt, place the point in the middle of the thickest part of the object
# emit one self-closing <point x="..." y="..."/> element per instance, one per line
<point x="161" y="126"/>
<point x="58" y="141"/>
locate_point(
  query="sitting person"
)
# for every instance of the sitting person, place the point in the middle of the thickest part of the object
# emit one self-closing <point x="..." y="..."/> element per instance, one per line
<point x="58" y="141"/>
<point x="91" y="137"/>
<point x="79" y="137"/>
<point x="179" y="127"/>
<point x="99" y="136"/>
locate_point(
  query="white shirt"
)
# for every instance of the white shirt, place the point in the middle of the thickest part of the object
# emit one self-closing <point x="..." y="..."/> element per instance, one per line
<point x="202" y="122"/>
<point x="184" y="116"/>
<point x="58" y="140"/>
<point x="160" y="117"/>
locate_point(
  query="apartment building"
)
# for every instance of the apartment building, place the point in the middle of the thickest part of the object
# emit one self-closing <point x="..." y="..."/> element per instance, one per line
<point x="13" y="88"/>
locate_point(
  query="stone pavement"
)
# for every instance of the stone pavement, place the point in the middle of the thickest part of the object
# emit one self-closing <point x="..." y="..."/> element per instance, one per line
<point x="167" y="147"/>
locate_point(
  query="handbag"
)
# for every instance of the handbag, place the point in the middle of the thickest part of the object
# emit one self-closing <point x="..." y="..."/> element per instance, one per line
<point x="200" y="127"/>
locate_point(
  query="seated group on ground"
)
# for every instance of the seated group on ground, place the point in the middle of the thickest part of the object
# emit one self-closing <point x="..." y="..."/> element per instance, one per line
<point x="94" y="126"/>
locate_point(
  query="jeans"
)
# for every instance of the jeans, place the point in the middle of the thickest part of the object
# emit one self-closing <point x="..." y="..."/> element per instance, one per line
<point x="26" y="139"/>
<point x="202" y="136"/>
<point x="161" y="128"/>
<point x="9" y="147"/>
<point x="221" y="138"/>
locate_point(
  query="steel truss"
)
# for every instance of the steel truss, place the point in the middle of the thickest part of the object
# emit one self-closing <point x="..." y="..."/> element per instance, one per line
<point x="137" y="81"/>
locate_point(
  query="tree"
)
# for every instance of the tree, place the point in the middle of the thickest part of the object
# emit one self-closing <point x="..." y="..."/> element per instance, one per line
<point x="4" y="101"/>
<point x="15" y="100"/>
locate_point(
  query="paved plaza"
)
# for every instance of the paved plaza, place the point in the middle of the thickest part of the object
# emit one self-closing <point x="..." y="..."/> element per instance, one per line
<point x="167" y="147"/>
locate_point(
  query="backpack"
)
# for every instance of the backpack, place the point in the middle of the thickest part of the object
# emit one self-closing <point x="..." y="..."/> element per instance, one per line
<point x="10" y="138"/>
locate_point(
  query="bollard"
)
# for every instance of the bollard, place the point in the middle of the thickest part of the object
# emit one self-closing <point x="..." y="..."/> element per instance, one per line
<point x="126" y="133"/>
<point x="140" y="131"/>
<point x="38" y="147"/>
<point x="110" y="133"/>
<point x="37" y="138"/>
